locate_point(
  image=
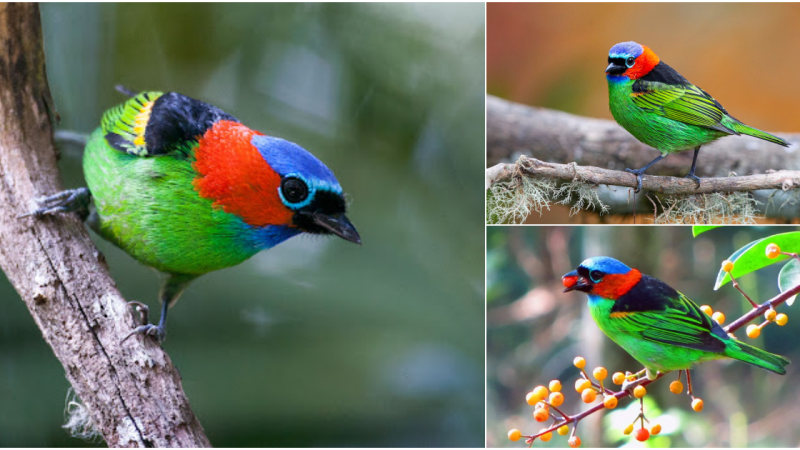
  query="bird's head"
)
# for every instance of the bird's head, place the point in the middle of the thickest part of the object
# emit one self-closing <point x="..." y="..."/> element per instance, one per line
<point x="630" y="60"/>
<point x="602" y="276"/>
<point x="270" y="182"/>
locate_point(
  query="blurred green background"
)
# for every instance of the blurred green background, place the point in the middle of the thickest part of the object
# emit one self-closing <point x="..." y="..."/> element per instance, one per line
<point x="534" y="331"/>
<point x="317" y="342"/>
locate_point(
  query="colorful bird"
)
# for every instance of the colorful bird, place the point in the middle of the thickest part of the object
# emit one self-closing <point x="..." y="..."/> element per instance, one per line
<point x="663" y="109"/>
<point x="657" y="325"/>
<point x="187" y="189"/>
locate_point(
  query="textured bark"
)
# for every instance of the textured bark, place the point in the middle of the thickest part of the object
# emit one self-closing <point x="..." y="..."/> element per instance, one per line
<point x="553" y="136"/>
<point x="132" y="390"/>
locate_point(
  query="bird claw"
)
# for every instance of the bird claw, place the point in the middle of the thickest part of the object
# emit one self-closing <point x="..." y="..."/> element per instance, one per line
<point x="695" y="178"/>
<point x="146" y="329"/>
<point x="639" y="177"/>
<point x="72" y="200"/>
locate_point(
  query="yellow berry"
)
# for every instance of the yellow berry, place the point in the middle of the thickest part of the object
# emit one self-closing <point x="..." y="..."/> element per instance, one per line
<point x="563" y="430"/>
<point x="555" y="386"/>
<point x="589" y="395"/>
<point x="770" y="314"/>
<point x="707" y="309"/>
<point x="781" y="319"/>
<point x="773" y="251"/>
<point x="639" y="391"/>
<point x="541" y="414"/>
<point x="582" y="384"/>
<point x="545" y="437"/>
<point x="541" y="392"/>
<point x="514" y="434"/>
<point x="655" y="429"/>
<point x="574" y="441"/>
<point x="719" y="317"/>
<point x="727" y="265"/>
<point x="697" y="405"/>
<point x="676" y="387"/>
<point x="579" y="362"/>
<point x="600" y="373"/>
<point x="618" y="378"/>
<point x="753" y="331"/>
<point x="628" y="430"/>
<point x="531" y="398"/>
<point x="610" y="402"/>
<point x="556" y="399"/>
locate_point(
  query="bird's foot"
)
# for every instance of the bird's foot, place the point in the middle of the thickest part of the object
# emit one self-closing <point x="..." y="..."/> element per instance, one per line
<point x="639" y="176"/>
<point x="71" y="200"/>
<point x="632" y="379"/>
<point x="695" y="178"/>
<point x="157" y="332"/>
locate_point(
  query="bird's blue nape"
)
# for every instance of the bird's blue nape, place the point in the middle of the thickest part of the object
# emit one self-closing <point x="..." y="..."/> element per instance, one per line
<point x="625" y="50"/>
<point x="606" y="265"/>
<point x="287" y="158"/>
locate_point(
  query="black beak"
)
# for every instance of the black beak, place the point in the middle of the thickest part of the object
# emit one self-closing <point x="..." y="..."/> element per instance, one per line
<point x="339" y="225"/>
<point x="575" y="282"/>
<point x="615" y="69"/>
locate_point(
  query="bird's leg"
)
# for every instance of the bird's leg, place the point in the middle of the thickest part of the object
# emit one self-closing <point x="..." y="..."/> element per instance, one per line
<point x="72" y="200"/>
<point x="632" y="378"/>
<point x="640" y="172"/>
<point x="694" y="163"/>
<point x="171" y="290"/>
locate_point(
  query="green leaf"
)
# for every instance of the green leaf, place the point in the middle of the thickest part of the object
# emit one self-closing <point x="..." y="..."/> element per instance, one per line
<point x="752" y="256"/>
<point x="789" y="278"/>
<point x="699" y="229"/>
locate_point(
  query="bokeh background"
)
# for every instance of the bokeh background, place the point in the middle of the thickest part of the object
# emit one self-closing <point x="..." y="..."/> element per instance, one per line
<point x="534" y="331"/>
<point x="554" y="55"/>
<point x="317" y="342"/>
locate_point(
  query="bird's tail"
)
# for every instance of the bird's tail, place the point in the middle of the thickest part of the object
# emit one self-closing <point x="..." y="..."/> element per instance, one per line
<point x="750" y="131"/>
<point x="757" y="357"/>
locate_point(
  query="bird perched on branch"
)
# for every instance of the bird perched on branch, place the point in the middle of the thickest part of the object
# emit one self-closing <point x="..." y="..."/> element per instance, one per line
<point x="187" y="189"/>
<point x="657" y="325"/>
<point x="663" y="109"/>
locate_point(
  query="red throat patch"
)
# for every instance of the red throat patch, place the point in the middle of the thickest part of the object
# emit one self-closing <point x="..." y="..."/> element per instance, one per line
<point x="615" y="286"/>
<point x="235" y="175"/>
<point x="644" y="64"/>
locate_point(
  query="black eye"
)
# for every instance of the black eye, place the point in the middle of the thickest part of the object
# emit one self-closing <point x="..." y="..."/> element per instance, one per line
<point x="294" y="190"/>
<point x="629" y="62"/>
<point x="596" y="275"/>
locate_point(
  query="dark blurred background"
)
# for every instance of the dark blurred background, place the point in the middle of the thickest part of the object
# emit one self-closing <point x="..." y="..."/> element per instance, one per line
<point x="534" y="331"/>
<point x="317" y="342"/>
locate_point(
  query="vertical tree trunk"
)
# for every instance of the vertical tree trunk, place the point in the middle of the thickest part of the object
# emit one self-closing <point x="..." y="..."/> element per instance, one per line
<point x="132" y="390"/>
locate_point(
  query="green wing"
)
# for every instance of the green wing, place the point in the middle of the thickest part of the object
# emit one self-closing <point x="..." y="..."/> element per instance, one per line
<point x="124" y="125"/>
<point x="684" y="103"/>
<point x="681" y="323"/>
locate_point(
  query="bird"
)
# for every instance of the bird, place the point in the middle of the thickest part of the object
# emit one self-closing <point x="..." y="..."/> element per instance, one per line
<point x="662" y="109"/>
<point x="658" y="326"/>
<point x="187" y="189"/>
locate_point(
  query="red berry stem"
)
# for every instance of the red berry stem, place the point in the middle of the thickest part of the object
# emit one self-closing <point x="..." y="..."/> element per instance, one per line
<point x="736" y="285"/>
<point x="756" y="312"/>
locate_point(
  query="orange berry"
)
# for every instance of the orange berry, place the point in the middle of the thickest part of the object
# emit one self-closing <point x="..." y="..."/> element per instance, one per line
<point x="541" y="392"/>
<point x="753" y="331"/>
<point x="574" y="441"/>
<point x="556" y="399"/>
<point x="618" y="378"/>
<point x="563" y="430"/>
<point x="542" y="405"/>
<point x="770" y="314"/>
<point x="642" y="434"/>
<point x="676" y="387"/>
<point x="655" y="429"/>
<point x="781" y="319"/>
<point x="545" y="437"/>
<point x="697" y="405"/>
<point x="514" y="434"/>
<point x="707" y="309"/>
<point x="773" y="251"/>
<point x="727" y="265"/>
<point x="600" y="373"/>
<point x="531" y="398"/>
<point x="610" y="402"/>
<point x="719" y="317"/>
<point x="555" y="386"/>
<point x="582" y="384"/>
<point x="589" y="395"/>
<point x="541" y="414"/>
<point x="639" y="391"/>
<point x="579" y="362"/>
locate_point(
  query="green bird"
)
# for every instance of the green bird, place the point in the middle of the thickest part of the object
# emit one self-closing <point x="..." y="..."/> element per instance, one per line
<point x="187" y="189"/>
<point x="657" y="325"/>
<point x="663" y="109"/>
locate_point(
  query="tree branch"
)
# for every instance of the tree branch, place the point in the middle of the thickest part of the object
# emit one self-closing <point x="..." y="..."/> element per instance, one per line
<point x="132" y="391"/>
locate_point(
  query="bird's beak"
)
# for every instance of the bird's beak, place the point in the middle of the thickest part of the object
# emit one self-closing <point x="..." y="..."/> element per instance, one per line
<point x="572" y="281"/>
<point x="615" y="69"/>
<point x="339" y="225"/>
